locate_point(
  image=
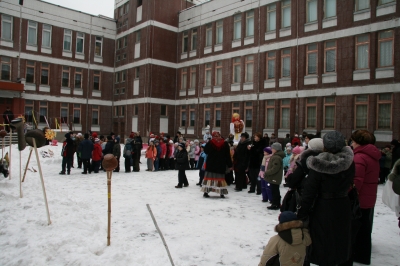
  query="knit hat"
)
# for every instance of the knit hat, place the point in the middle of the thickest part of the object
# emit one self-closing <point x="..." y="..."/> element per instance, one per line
<point x="289" y="148"/>
<point x="334" y="141"/>
<point x="117" y="139"/>
<point x="245" y="134"/>
<point x="131" y="135"/>
<point x="171" y="141"/>
<point x="181" y="145"/>
<point x="196" y="141"/>
<point x="79" y="135"/>
<point x="96" y="140"/>
<point x="203" y="145"/>
<point x="268" y="150"/>
<point x="109" y="137"/>
<point x="316" y="144"/>
<point x="67" y="135"/>
<point x="276" y="146"/>
<point x="298" y="150"/>
<point x="86" y="135"/>
<point x="288" y="144"/>
<point x="191" y="143"/>
<point x="287" y="216"/>
<point x="94" y="135"/>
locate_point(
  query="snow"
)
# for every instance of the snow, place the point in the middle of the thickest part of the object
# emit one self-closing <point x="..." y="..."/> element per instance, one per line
<point x="198" y="231"/>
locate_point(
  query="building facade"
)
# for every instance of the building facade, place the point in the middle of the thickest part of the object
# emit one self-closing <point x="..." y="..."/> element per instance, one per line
<point x="285" y="66"/>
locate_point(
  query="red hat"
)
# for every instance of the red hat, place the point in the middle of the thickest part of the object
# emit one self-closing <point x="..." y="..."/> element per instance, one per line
<point x="94" y="135"/>
<point x="131" y="135"/>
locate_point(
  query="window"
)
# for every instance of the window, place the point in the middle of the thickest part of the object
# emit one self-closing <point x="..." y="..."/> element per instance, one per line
<point x="330" y="56"/>
<point x="312" y="10"/>
<point x="43" y="112"/>
<point x="117" y="77"/>
<point x="249" y="114"/>
<point x="138" y="36"/>
<point x="286" y="63"/>
<point x="139" y="3"/>
<point x="218" y="73"/>
<point x="116" y="111"/>
<point x="125" y="41"/>
<point x="32" y="32"/>
<point x="78" y="78"/>
<point x="237" y="71"/>
<point x="118" y="44"/>
<point x="184" y="78"/>
<point x="237" y="26"/>
<point x="219" y="32"/>
<point x="183" y="116"/>
<point x="208" y="75"/>
<point x="137" y="72"/>
<point x="67" y="40"/>
<point x="135" y="110"/>
<point x="384" y="111"/>
<point x="329" y="112"/>
<point x="44" y="74"/>
<point x="271" y="17"/>
<point x="385" y="48"/>
<point x="311" y="113"/>
<point x="64" y="113"/>
<point x="98" y="47"/>
<point x="30" y="72"/>
<point x="118" y="58"/>
<point x="286" y="14"/>
<point x="382" y="2"/>
<point x="77" y="113"/>
<point x="250" y="23"/>
<point x="28" y="111"/>
<point x="124" y="56"/>
<point x="96" y="80"/>
<point x="249" y="68"/>
<point x="123" y="75"/>
<point x="46" y="35"/>
<point x="125" y="22"/>
<point x="121" y="11"/>
<point x="65" y="77"/>
<point x="362" y="51"/>
<point x="122" y="111"/>
<point x="6" y="27"/>
<point x="185" y="39"/>
<point x="95" y="114"/>
<point x="207" y="114"/>
<point x="218" y="115"/>
<point x="5" y="68"/>
<point x="209" y="34"/>
<point x="126" y="8"/>
<point x="285" y="113"/>
<point x="192" y="114"/>
<point x="270" y="115"/>
<point x="236" y="108"/>
<point x="163" y="110"/>
<point x="312" y="59"/>
<point x="271" y="56"/>
<point x="362" y="4"/>
<point x="194" y="40"/>
<point x="193" y="77"/>
<point x="330" y="8"/>
<point x="361" y="114"/>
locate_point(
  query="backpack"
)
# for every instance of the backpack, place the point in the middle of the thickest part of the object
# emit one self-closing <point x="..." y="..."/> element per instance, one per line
<point x="128" y="149"/>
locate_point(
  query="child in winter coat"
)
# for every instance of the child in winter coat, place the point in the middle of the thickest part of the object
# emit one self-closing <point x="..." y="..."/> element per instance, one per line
<point x="196" y="151"/>
<point x="265" y="187"/>
<point x="288" y="247"/>
<point x="151" y="155"/>
<point x="117" y="151"/>
<point x="293" y="159"/>
<point x="200" y="165"/>
<point x="96" y="155"/>
<point x="192" y="155"/>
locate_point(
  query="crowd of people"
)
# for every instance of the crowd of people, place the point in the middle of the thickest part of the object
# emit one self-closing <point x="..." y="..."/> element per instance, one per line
<point x="327" y="213"/>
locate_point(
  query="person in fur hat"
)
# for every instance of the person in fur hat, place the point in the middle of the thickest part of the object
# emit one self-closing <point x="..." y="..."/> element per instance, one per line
<point x="288" y="247"/>
<point x="326" y="204"/>
<point x="265" y="186"/>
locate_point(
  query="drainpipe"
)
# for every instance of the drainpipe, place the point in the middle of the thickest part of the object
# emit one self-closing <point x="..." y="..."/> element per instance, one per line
<point x="296" y="127"/>
<point x="88" y="75"/>
<point x="258" y="68"/>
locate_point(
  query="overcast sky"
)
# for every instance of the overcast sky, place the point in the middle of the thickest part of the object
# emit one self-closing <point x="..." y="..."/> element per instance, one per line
<point x="95" y="7"/>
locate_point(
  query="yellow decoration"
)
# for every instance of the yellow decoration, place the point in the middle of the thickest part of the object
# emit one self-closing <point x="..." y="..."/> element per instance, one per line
<point x="23" y="118"/>
<point x="50" y="134"/>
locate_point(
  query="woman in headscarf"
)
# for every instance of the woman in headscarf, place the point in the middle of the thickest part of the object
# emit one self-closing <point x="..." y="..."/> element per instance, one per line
<point x="218" y="159"/>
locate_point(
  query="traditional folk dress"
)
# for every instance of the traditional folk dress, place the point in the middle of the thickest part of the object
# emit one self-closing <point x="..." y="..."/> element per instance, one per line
<point x="218" y="160"/>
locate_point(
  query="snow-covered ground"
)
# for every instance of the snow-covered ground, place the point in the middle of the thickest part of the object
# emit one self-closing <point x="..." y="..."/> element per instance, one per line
<point x="198" y="231"/>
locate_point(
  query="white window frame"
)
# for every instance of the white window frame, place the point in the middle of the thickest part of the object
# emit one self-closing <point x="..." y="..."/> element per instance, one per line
<point x="32" y="25"/>
<point x="209" y="34"/>
<point x="98" y="39"/>
<point x="6" y="19"/>
<point x="286" y="4"/>
<point x="249" y="21"/>
<point x="308" y="11"/>
<point x="193" y="43"/>
<point x="325" y="9"/>
<point x="49" y="30"/>
<point x="357" y="3"/>
<point x="82" y="37"/>
<point x="219" y="32"/>
<point x="270" y="10"/>
<point x="237" y="19"/>
<point x="67" y="33"/>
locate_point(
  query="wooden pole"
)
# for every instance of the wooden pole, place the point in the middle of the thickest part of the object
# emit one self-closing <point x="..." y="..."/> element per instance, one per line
<point x="27" y="163"/>
<point x="41" y="179"/>
<point x="109" y="175"/>
<point x="20" y="176"/>
<point x="10" y="159"/>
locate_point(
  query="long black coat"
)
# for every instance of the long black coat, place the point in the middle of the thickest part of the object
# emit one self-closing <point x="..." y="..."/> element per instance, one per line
<point x="182" y="160"/>
<point x="257" y="153"/>
<point x="326" y="203"/>
<point x="217" y="160"/>
<point x="109" y="147"/>
<point x="242" y="155"/>
<point x="86" y="148"/>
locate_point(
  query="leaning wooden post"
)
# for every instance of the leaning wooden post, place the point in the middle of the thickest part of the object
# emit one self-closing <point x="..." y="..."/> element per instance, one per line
<point x="109" y="164"/>
<point x="41" y="179"/>
<point x="20" y="176"/>
<point x="10" y="157"/>
<point x="27" y="163"/>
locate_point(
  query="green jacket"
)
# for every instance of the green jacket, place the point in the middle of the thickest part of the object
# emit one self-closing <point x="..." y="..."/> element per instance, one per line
<point x="274" y="172"/>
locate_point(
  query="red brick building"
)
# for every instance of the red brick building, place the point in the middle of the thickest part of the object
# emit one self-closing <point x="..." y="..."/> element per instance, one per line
<point x="162" y="66"/>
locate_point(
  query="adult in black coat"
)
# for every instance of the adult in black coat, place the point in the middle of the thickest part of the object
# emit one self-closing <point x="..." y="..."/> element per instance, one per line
<point x="137" y="151"/>
<point x="67" y="153"/>
<point x="325" y="201"/>
<point x="395" y="151"/>
<point x="85" y="149"/>
<point x="241" y="161"/>
<point x="182" y="164"/>
<point x="256" y="156"/>
<point x="8" y="116"/>
<point x="108" y="149"/>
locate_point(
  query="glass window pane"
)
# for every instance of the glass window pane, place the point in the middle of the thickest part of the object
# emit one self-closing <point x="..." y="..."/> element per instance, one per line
<point x="330" y="61"/>
<point x="30" y="74"/>
<point x="312" y="10"/>
<point x="330" y="8"/>
<point x="218" y="118"/>
<point x="361" y="116"/>
<point x="219" y="76"/>
<point x="271" y="21"/>
<point x="285" y="118"/>
<point x="44" y="77"/>
<point x="312" y="63"/>
<point x="249" y="118"/>
<point x="385" y="97"/>
<point x="32" y="35"/>
<point x="384" y="114"/>
<point x="286" y="67"/>
<point x="270" y="118"/>
<point x="311" y="117"/>
<point x="362" y="56"/>
<point x="385" y="53"/>
<point x="329" y="116"/>
<point x="286" y="17"/>
<point x="271" y="69"/>
<point x="249" y="72"/>
<point x="362" y="4"/>
<point x="237" y="74"/>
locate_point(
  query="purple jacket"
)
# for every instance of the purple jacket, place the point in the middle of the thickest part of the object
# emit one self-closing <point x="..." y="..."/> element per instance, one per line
<point x="366" y="159"/>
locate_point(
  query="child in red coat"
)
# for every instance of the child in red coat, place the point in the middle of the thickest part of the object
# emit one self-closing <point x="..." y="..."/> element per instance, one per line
<point x="96" y="155"/>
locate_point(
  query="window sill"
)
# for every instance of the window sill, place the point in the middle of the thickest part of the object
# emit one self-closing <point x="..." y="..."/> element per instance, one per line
<point x="236" y="43"/>
<point x="248" y="86"/>
<point x="98" y="59"/>
<point x="78" y="92"/>
<point x="235" y="87"/>
<point x="387" y="72"/>
<point x="361" y="74"/>
<point x="311" y="80"/>
<point x="388" y="8"/>
<point x="218" y="47"/>
<point x="184" y="55"/>
<point x="80" y="56"/>
<point x="6" y="43"/>
<point x="96" y="93"/>
<point x="192" y="91"/>
<point x="217" y="89"/>
<point x="67" y="54"/>
<point x="329" y="77"/>
<point x="46" y="50"/>
<point x="383" y="135"/>
<point x="248" y="40"/>
<point x="269" y="84"/>
<point x="206" y="90"/>
<point x="31" y="47"/>
<point x="193" y="53"/>
<point x="65" y="90"/>
<point x="311" y="26"/>
<point x="44" y="88"/>
<point x="207" y="49"/>
<point x="329" y="22"/>
<point x="285" y="82"/>
<point x="285" y="32"/>
<point x="362" y="14"/>
<point x="182" y="93"/>
<point x="270" y="35"/>
<point x="30" y="87"/>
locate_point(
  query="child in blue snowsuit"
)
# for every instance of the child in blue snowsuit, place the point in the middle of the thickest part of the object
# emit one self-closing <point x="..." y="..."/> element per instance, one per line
<point x="200" y="164"/>
<point x="265" y="187"/>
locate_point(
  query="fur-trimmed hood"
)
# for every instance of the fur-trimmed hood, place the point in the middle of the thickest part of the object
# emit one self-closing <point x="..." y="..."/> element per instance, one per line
<point x="395" y="171"/>
<point x="291" y="232"/>
<point x="329" y="163"/>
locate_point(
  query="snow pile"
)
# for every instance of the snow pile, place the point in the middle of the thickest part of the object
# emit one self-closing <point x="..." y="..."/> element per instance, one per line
<point x="198" y="231"/>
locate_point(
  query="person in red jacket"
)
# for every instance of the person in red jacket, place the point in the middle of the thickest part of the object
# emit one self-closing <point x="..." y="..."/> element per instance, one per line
<point x="366" y="159"/>
<point x="163" y="153"/>
<point x="96" y="155"/>
<point x="296" y="139"/>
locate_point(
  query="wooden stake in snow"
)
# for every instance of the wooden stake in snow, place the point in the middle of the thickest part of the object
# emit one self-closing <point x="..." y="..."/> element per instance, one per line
<point x="27" y="163"/>
<point x="9" y="164"/>
<point x="109" y="164"/>
<point x="20" y="176"/>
